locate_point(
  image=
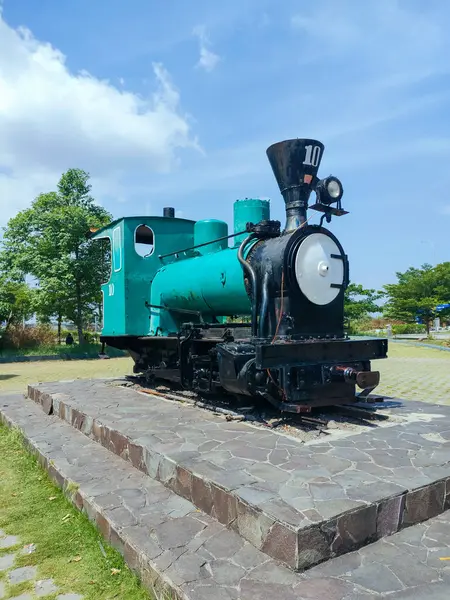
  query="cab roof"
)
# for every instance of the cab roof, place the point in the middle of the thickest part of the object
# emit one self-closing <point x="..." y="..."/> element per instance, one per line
<point x="95" y="232"/>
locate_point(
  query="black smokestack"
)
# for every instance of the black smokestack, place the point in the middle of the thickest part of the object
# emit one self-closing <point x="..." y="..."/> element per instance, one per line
<point x="295" y="164"/>
<point x="168" y="211"/>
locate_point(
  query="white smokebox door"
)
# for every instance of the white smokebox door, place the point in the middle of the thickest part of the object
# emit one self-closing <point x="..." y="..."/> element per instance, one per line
<point x="316" y="270"/>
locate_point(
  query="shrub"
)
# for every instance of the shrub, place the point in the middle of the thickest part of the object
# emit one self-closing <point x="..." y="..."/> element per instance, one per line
<point x="357" y="326"/>
<point x="19" y="337"/>
<point x="408" y="328"/>
<point x="382" y="322"/>
<point x="91" y="337"/>
<point x="65" y="333"/>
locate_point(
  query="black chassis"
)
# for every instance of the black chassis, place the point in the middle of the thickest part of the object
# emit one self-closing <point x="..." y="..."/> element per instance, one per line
<point x="294" y="375"/>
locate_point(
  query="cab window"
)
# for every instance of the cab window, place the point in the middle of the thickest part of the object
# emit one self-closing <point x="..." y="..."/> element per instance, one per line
<point x="144" y="241"/>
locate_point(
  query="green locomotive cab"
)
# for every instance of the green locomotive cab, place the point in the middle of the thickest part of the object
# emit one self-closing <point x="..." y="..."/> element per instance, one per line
<point x="135" y="244"/>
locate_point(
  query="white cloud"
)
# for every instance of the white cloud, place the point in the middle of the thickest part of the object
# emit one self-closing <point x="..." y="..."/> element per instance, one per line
<point x="52" y="119"/>
<point x="208" y="60"/>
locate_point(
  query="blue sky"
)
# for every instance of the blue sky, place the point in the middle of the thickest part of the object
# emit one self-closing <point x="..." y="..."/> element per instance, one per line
<point x="174" y="103"/>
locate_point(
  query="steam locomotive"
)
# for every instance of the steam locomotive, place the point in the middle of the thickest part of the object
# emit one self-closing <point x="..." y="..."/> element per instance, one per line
<point x="261" y="318"/>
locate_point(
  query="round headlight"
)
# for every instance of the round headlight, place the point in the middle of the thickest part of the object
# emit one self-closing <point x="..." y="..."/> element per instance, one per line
<point x="329" y="191"/>
<point x="334" y="188"/>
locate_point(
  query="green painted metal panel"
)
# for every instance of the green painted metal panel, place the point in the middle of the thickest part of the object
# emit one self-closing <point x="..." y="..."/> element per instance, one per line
<point x="117" y="248"/>
<point x="207" y="230"/>
<point x="212" y="284"/>
<point x="128" y="289"/>
<point x="113" y="290"/>
<point x="249" y="211"/>
<point x="208" y="279"/>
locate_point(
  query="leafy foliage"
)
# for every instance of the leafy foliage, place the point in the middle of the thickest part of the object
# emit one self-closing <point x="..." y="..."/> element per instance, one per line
<point x="16" y="301"/>
<point x="418" y="292"/>
<point x="360" y="302"/>
<point x="405" y="328"/>
<point x="48" y="241"/>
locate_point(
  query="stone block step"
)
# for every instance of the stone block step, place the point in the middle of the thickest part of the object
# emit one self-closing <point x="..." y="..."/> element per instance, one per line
<point x="300" y="504"/>
<point x="178" y="549"/>
<point x="413" y="564"/>
<point x="164" y="537"/>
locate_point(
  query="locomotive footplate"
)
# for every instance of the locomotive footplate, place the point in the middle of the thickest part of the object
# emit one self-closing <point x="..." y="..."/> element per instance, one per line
<point x="308" y="352"/>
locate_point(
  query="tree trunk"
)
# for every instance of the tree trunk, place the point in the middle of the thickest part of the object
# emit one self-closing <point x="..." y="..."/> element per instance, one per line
<point x="79" y="321"/>
<point x="9" y="321"/>
<point x="427" y="325"/>
<point x="59" y="328"/>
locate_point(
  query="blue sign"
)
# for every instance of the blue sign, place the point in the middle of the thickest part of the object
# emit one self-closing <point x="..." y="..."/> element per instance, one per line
<point x="442" y="306"/>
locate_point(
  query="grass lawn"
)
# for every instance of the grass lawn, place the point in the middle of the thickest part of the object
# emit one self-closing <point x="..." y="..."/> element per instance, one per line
<point x="67" y="545"/>
<point x="91" y="350"/>
<point x="16" y="376"/>
<point x="445" y="343"/>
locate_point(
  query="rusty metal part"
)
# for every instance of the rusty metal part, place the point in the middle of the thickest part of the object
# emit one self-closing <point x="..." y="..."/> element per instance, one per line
<point x="151" y="392"/>
<point x="200" y="404"/>
<point x="361" y="413"/>
<point x="285" y="406"/>
<point x="314" y="421"/>
<point x="363" y="379"/>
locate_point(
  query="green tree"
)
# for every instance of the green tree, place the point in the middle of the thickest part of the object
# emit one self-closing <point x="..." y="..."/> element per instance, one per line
<point x="52" y="300"/>
<point x="16" y="301"/>
<point x="49" y="242"/>
<point x="359" y="302"/>
<point x="417" y="293"/>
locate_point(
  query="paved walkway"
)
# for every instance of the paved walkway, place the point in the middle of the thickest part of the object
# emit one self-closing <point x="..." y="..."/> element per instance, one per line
<point x="169" y="542"/>
<point x="413" y="373"/>
<point x="10" y="548"/>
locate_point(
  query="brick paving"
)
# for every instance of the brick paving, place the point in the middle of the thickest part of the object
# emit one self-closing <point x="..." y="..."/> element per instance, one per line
<point x="300" y="504"/>
<point x="172" y="544"/>
<point x="425" y="378"/>
<point x="16" y="575"/>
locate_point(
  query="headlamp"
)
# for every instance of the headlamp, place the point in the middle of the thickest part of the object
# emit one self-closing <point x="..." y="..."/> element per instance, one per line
<point x="329" y="190"/>
<point x="334" y="188"/>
